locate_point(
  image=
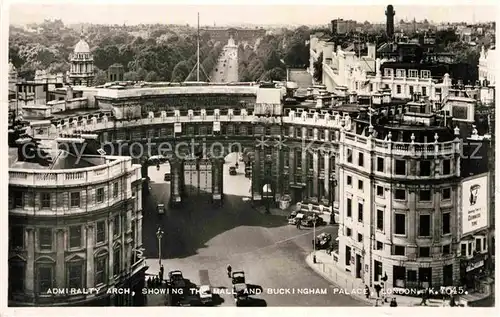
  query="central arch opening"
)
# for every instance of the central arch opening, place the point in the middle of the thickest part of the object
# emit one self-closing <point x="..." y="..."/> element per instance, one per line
<point x="236" y="183"/>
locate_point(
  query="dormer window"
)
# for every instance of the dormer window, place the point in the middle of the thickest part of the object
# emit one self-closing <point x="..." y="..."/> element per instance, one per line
<point x="413" y="73"/>
<point x="400" y="73"/>
<point x="425" y="74"/>
<point x="388" y="72"/>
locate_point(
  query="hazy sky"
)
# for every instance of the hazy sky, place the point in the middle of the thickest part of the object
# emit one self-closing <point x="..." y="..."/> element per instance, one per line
<point x="152" y="12"/>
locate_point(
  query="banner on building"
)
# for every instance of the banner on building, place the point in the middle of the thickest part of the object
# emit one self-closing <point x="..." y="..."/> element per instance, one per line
<point x="177" y="127"/>
<point x="475" y="203"/>
<point x="216" y="126"/>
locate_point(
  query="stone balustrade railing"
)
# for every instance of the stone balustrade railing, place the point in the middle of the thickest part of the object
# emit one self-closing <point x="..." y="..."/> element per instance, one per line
<point x="404" y="148"/>
<point x="113" y="167"/>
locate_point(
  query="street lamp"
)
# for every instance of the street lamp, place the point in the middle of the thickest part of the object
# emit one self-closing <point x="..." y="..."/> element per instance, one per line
<point x="159" y="235"/>
<point x="310" y="207"/>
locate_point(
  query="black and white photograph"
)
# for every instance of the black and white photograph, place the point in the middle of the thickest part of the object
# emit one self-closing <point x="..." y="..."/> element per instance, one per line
<point x="249" y="155"/>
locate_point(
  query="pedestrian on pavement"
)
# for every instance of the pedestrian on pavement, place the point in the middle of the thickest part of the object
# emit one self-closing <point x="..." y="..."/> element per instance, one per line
<point x="376" y="303"/>
<point x="229" y="269"/>
<point x="378" y="288"/>
<point x="298" y="224"/>
<point x="162" y="270"/>
<point x="367" y="291"/>
<point x="424" y="298"/>
<point x="393" y="302"/>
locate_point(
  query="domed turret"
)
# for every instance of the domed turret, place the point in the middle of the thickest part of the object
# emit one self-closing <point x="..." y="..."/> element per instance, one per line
<point x="82" y="47"/>
<point x="82" y="64"/>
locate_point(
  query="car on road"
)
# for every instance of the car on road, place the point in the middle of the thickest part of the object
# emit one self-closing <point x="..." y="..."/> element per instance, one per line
<point x="232" y="170"/>
<point x="161" y="209"/>
<point x="294" y="217"/>
<point x="312" y="220"/>
<point x="176" y="279"/>
<point x="240" y="291"/>
<point x="167" y="177"/>
<point x="206" y="296"/>
<point x="323" y="241"/>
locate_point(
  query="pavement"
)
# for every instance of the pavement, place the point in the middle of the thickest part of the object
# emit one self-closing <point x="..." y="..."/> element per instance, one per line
<point x="201" y="236"/>
<point x="326" y="267"/>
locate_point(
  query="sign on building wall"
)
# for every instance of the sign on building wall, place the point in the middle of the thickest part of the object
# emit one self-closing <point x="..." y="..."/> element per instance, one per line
<point x="475" y="204"/>
<point x="216" y="127"/>
<point x="177" y="127"/>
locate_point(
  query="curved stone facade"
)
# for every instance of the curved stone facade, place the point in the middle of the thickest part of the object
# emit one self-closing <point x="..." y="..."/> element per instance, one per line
<point x="74" y="231"/>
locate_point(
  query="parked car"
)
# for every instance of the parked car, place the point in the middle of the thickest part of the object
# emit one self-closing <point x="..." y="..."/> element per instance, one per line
<point x="239" y="286"/>
<point x="312" y="220"/>
<point x="232" y="170"/>
<point x="167" y="177"/>
<point x="176" y="279"/>
<point x="206" y="296"/>
<point x="323" y="241"/>
<point x="294" y="217"/>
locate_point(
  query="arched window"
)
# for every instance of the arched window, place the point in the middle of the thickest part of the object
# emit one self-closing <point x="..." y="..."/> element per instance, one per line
<point x="74" y="272"/>
<point x="101" y="268"/>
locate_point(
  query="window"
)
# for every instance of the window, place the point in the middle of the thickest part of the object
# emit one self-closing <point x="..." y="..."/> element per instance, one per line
<point x="45" y="200"/>
<point x="380" y="245"/>
<point x="18" y="199"/>
<point x="446" y="167"/>
<point x="400" y="167"/>
<point x="399" y="250"/>
<point x="400" y="194"/>
<point x="380" y="191"/>
<point x="16" y="234"/>
<point x="298" y="159"/>
<point x="380" y="219"/>
<point x="100" y="195"/>
<point x="360" y="184"/>
<point x="411" y="90"/>
<point x="75" y="274"/>
<point x="425" y="168"/>
<point x="349" y="180"/>
<point x="348" y="232"/>
<point x="400" y="224"/>
<point x="380" y="164"/>
<point x="413" y="73"/>
<point x="360" y="212"/>
<point x="115" y="190"/>
<point x="424" y="91"/>
<point x="446" y="193"/>
<point x="371" y="87"/>
<point x="424" y="252"/>
<point x="446" y="223"/>
<point x="360" y="237"/>
<point x="17" y="276"/>
<point x="361" y="159"/>
<point x="117" y="225"/>
<point x="75" y="199"/>
<point x="400" y="73"/>
<point x="463" y="249"/>
<point x="101" y="263"/>
<point x="425" y="226"/>
<point x="75" y="236"/>
<point x="478" y="245"/>
<point x="349" y="156"/>
<point x="425" y="74"/>
<point x="100" y="231"/>
<point x="398" y="89"/>
<point x="45" y="277"/>
<point x="446" y="249"/>
<point x="349" y="207"/>
<point x="45" y="238"/>
<point x="117" y="259"/>
<point x="388" y="72"/>
<point x="425" y="195"/>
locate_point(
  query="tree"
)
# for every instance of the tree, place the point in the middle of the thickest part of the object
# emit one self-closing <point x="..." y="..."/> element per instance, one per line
<point x="151" y="77"/>
<point x="318" y="68"/>
<point x="100" y="77"/>
<point x="180" y="72"/>
<point x="131" y="75"/>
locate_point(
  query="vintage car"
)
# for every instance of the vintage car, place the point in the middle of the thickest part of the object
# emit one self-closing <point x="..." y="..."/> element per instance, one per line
<point x="239" y="286"/>
<point x="161" y="209"/>
<point x="232" y="170"/>
<point x="294" y="217"/>
<point x="176" y="279"/>
<point x="205" y="292"/>
<point x="312" y="220"/>
<point x="167" y="177"/>
<point x="323" y="241"/>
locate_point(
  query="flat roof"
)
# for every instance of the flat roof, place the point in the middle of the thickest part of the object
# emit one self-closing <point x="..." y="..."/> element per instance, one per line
<point x="60" y="160"/>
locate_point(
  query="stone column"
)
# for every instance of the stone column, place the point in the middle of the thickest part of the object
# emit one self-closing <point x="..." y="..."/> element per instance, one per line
<point x="315" y="157"/>
<point x="291" y="164"/>
<point x="111" y="227"/>
<point x="60" y="262"/>
<point x="89" y="234"/>
<point x="337" y="177"/>
<point x="412" y="217"/>
<point x="29" y="282"/>
<point x="326" y="182"/>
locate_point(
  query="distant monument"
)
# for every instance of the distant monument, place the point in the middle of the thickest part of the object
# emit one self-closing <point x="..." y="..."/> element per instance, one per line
<point x="230" y="42"/>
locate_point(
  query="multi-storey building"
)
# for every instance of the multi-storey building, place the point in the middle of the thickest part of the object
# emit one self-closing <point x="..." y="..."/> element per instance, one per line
<point x="82" y="64"/>
<point x="74" y="225"/>
<point x="400" y="207"/>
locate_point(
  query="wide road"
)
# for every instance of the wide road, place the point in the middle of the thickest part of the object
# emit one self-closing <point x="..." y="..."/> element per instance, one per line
<point x="226" y="70"/>
<point x="203" y="237"/>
